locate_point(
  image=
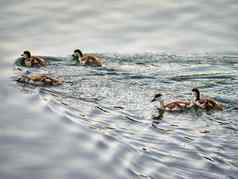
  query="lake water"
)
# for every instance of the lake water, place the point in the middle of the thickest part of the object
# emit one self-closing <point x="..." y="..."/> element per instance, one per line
<point x="100" y="124"/>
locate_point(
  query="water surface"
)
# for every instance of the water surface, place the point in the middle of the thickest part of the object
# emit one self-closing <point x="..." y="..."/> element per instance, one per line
<point x="100" y="122"/>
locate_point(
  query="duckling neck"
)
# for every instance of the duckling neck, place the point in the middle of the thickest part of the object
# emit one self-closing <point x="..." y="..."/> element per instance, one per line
<point x="81" y="54"/>
<point x="162" y="104"/>
<point x="197" y="97"/>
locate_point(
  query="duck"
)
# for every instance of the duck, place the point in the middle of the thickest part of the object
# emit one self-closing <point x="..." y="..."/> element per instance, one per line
<point x="33" y="61"/>
<point x="40" y="80"/>
<point x="206" y="103"/>
<point x="84" y="59"/>
<point x="173" y="106"/>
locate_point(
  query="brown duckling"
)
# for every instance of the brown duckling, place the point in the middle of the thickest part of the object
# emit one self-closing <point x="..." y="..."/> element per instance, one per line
<point x="205" y="102"/>
<point x="40" y="80"/>
<point x="87" y="59"/>
<point x="173" y="106"/>
<point x="33" y="61"/>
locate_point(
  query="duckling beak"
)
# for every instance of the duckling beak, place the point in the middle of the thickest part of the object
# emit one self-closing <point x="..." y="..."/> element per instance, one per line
<point x="153" y="100"/>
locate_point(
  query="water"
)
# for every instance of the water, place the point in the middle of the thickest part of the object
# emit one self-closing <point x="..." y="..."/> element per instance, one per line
<point x="100" y="122"/>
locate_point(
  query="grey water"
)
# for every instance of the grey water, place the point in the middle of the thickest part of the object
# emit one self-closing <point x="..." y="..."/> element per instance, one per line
<point x="100" y="123"/>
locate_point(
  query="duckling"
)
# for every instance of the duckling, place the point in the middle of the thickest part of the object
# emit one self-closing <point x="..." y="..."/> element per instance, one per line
<point x="32" y="61"/>
<point x="173" y="106"/>
<point x="86" y="59"/>
<point x="205" y="102"/>
<point x="40" y="80"/>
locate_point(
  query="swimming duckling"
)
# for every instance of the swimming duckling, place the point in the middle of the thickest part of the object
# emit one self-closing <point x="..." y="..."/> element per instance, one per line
<point x="86" y="59"/>
<point x="40" y="80"/>
<point x="32" y="61"/>
<point x="173" y="106"/>
<point x="205" y="103"/>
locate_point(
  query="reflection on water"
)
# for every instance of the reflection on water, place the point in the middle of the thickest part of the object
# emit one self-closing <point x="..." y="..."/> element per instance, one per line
<point x="101" y="121"/>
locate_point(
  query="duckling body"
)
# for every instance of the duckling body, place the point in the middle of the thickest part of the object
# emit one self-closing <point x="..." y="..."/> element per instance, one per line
<point x="40" y="80"/>
<point x="178" y="105"/>
<point x="205" y="102"/>
<point x="33" y="61"/>
<point x="91" y="60"/>
<point x="209" y="104"/>
<point x="83" y="59"/>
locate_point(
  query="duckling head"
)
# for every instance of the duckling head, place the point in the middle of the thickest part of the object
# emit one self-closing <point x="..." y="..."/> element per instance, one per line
<point x="26" y="54"/>
<point x="77" y="53"/>
<point x="157" y="97"/>
<point x="158" y="101"/>
<point x="196" y="94"/>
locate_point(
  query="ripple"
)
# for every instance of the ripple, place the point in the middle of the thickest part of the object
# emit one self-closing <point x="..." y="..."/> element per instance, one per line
<point x="100" y="122"/>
